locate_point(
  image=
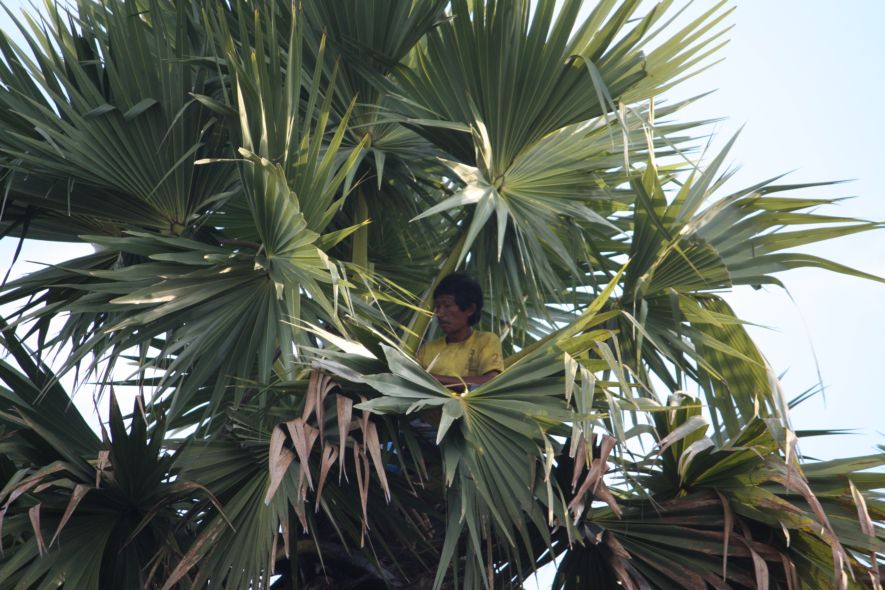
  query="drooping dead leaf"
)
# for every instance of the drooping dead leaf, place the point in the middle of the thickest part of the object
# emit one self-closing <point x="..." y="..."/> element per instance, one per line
<point x="310" y="399"/>
<point x="284" y="526"/>
<point x="790" y="572"/>
<point x="330" y="454"/>
<point x="278" y="460"/>
<point x="375" y="452"/>
<point x="302" y="515"/>
<point x="32" y="480"/>
<point x="283" y="459"/>
<point x="601" y="492"/>
<point x="767" y="551"/>
<point x="325" y="385"/>
<point x="364" y="420"/>
<point x="839" y="568"/>
<point x="580" y="463"/>
<point x="863" y="516"/>
<point x="363" y="471"/>
<point x="728" y="518"/>
<point x="617" y="559"/>
<point x="303" y="437"/>
<point x="34" y="516"/>
<point x="605" y="448"/>
<point x="206" y="539"/>
<point x="875" y="580"/>
<point x="759" y="566"/>
<point x="799" y="485"/>
<point x="620" y="568"/>
<point x="593" y="483"/>
<point x="361" y="466"/>
<point x="277" y="439"/>
<point x="344" y="406"/>
<point x="312" y="435"/>
<point x="175" y="489"/>
<point x="80" y="490"/>
<point x="576" y="506"/>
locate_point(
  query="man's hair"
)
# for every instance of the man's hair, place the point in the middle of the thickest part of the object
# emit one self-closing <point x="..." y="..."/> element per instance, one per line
<point x="465" y="290"/>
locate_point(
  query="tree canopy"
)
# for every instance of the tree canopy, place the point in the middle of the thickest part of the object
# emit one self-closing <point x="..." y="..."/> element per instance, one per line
<point x="272" y="190"/>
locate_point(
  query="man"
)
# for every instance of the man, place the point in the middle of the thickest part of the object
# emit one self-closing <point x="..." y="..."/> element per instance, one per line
<point x="463" y="357"/>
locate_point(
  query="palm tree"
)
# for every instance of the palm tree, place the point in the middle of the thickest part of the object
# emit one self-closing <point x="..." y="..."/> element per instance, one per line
<point x="272" y="191"/>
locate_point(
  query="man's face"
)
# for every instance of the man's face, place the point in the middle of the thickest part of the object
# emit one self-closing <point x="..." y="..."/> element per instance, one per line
<point x="452" y="319"/>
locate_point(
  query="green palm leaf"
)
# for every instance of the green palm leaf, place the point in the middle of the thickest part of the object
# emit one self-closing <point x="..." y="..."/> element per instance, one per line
<point x="99" y="136"/>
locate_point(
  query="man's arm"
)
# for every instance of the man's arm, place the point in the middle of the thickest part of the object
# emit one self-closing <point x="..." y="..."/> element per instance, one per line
<point x="449" y="380"/>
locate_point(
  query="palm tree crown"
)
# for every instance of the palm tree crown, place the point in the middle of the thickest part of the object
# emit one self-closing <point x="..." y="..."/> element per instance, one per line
<point x="273" y="189"/>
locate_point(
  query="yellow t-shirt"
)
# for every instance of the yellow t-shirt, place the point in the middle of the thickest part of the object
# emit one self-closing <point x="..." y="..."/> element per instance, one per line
<point x="477" y="355"/>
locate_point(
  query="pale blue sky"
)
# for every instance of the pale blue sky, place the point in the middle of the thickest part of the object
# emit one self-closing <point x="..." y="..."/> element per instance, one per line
<point x="805" y="77"/>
